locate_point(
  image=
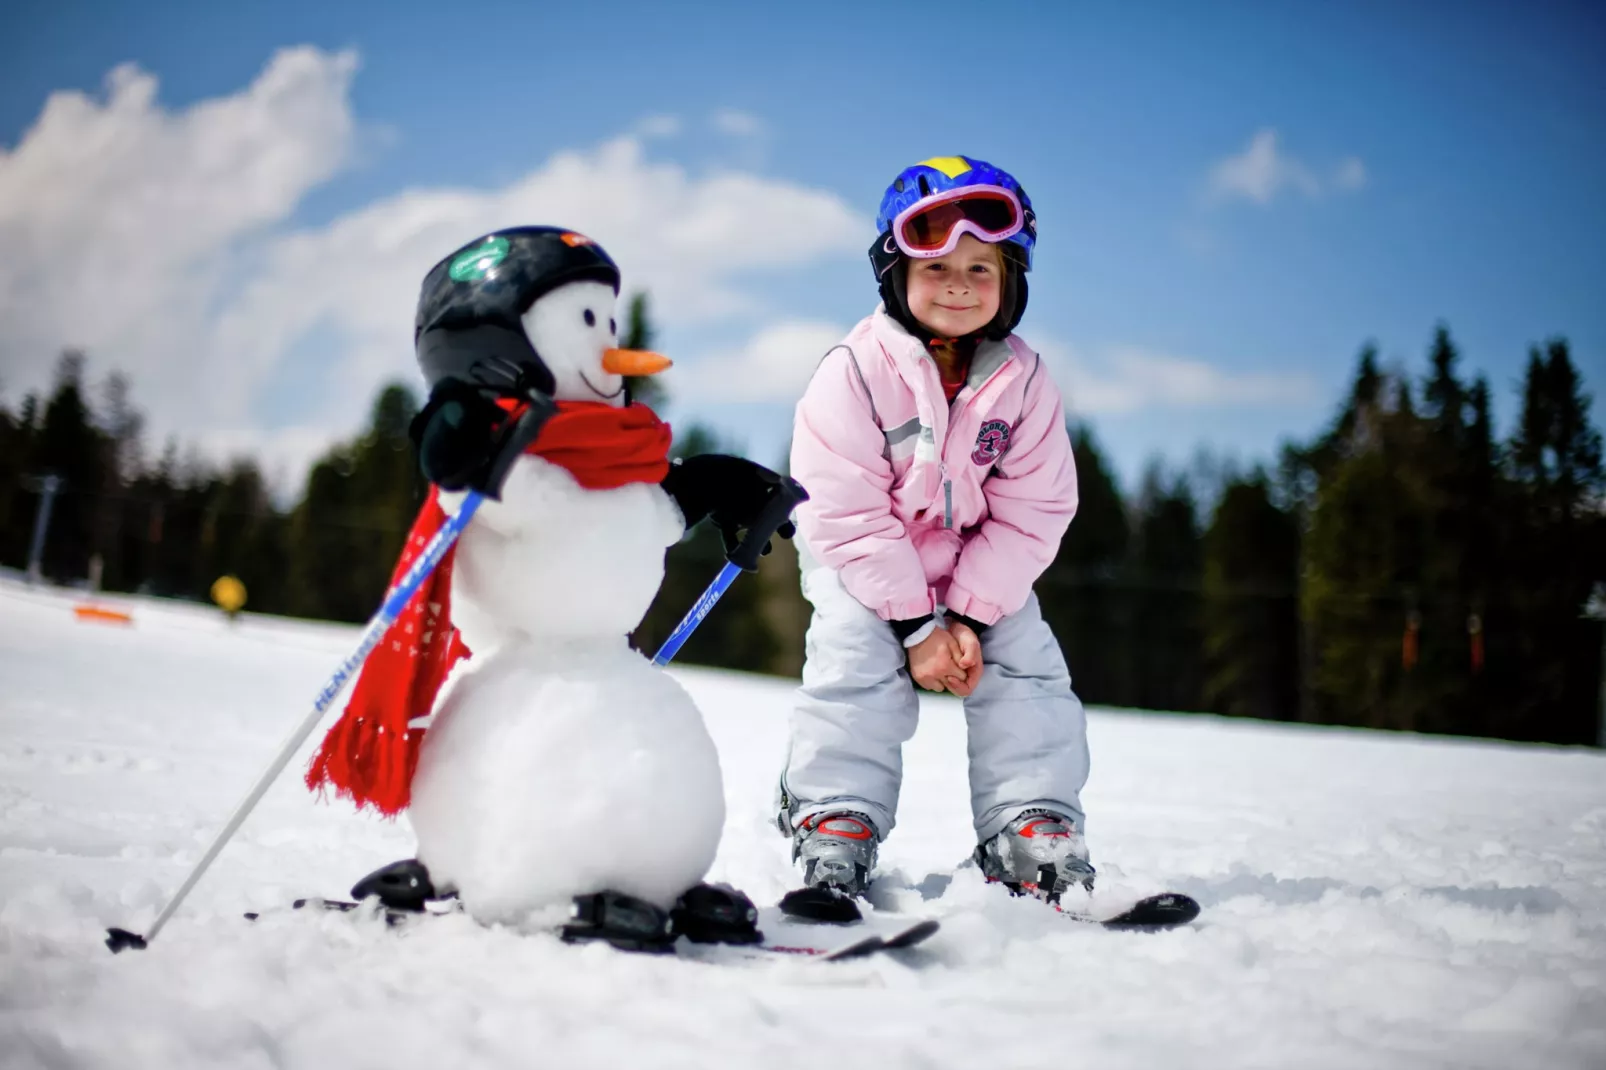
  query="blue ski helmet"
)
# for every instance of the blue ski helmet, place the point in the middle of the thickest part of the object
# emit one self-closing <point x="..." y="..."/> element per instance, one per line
<point x="945" y="178"/>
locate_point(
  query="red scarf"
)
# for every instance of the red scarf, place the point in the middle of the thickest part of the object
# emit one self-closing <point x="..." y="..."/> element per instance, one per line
<point x="370" y="753"/>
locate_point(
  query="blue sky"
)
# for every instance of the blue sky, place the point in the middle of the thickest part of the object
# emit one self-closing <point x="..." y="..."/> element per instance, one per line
<point x="1232" y="197"/>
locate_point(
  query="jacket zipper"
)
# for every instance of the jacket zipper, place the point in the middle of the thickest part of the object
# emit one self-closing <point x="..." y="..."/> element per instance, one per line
<point x="947" y="496"/>
<point x="942" y="466"/>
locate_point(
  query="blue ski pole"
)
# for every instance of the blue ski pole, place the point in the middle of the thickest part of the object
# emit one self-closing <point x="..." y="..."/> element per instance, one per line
<point x="788" y="496"/>
<point x="395" y="601"/>
<point x="699" y="610"/>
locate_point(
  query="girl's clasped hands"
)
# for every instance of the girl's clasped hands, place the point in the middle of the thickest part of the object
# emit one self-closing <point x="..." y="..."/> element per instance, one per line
<point x="949" y="659"/>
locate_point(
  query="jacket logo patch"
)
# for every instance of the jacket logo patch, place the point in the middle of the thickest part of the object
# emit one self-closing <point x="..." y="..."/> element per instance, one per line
<point x="992" y="441"/>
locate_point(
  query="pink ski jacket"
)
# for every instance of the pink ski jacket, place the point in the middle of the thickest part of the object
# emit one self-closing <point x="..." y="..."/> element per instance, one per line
<point x="914" y="503"/>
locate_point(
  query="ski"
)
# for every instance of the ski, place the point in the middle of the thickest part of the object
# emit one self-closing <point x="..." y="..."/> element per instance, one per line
<point x="858" y="947"/>
<point x="826" y="904"/>
<point x="393" y="916"/>
<point x="1152" y="913"/>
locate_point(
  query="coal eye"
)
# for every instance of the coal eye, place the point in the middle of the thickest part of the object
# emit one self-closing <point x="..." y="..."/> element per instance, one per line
<point x="591" y="318"/>
<point x="613" y="328"/>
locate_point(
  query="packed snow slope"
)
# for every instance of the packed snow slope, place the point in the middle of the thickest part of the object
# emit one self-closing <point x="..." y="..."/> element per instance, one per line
<point x="1370" y="900"/>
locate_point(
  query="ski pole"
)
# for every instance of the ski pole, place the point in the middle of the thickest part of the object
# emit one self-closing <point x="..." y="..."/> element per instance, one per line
<point x="395" y="601"/>
<point x="695" y="615"/>
<point x="789" y="495"/>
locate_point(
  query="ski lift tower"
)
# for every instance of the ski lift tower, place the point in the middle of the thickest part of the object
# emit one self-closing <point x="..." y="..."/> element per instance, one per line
<point x="47" y="486"/>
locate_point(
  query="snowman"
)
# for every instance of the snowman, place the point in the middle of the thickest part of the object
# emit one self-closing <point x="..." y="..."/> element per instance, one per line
<point x="548" y="769"/>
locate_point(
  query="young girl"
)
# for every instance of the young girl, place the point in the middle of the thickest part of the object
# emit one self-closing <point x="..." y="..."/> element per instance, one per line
<point x="933" y="445"/>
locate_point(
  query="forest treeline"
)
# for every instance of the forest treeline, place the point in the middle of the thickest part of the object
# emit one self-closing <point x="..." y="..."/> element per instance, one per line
<point x="1404" y="569"/>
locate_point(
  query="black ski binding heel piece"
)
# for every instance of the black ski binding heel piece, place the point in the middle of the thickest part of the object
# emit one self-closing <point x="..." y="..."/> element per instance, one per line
<point x="403" y="885"/>
<point x="821" y="902"/>
<point x="716" y="914"/>
<point x="627" y="923"/>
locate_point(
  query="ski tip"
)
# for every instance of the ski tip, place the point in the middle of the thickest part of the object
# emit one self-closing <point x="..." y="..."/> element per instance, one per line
<point x="1164" y="911"/>
<point x="858" y="949"/>
<point x="122" y="940"/>
<point x="913" y="935"/>
<point x="870" y="945"/>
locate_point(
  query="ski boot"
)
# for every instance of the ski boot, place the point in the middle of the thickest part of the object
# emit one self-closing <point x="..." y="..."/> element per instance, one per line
<point x="1041" y="853"/>
<point x="403" y="885"/>
<point x="627" y="923"/>
<point x="716" y="914"/>
<point x="837" y="852"/>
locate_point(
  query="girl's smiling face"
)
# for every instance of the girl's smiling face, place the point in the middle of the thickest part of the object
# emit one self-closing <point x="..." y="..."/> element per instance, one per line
<point x="956" y="294"/>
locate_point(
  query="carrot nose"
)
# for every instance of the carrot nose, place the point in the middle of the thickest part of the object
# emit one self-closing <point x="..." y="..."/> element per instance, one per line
<point x="633" y="362"/>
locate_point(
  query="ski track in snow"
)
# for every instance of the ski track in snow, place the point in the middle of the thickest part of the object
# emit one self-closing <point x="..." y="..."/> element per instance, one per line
<point x="1371" y="900"/>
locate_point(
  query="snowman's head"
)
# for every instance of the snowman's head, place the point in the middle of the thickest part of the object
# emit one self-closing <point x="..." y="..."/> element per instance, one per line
<point x="527" y="308"/>
<point x="573" y="332"/>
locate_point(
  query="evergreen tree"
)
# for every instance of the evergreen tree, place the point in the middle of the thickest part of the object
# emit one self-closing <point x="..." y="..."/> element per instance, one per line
<point x="155" y="562"/>
<point x="1167" y="563"/>
<point x="639" y="334"/>
<point x="243" y="536"/>
<point x="346" y="534"/>
<point x="1363" y="558"/>
<point x="1557" y="552"/>
<point x="16" y="454"/>
<point x="1455" y="460"/>
<point x="69" y="446"/>
<point x="1085" y="592"/>
<point x="1555" y="452"/>
<point x="120" y="425"/>
<point x="1251" y="606"/>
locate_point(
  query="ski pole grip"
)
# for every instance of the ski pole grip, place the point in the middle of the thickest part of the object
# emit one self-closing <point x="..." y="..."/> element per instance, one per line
<point x="524" y="431"/>
<point x="789" y="494"/>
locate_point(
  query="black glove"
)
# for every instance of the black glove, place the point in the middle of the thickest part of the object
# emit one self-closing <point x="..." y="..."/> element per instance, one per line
<point x="466" y="440"/>
<point x="736" y="495"/>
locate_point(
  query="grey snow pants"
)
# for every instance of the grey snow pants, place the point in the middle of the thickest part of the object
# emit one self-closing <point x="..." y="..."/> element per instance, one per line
<point x="858" y="706"/>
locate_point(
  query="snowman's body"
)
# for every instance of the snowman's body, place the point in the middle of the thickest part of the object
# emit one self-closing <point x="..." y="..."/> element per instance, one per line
<point x="560" y="761"/>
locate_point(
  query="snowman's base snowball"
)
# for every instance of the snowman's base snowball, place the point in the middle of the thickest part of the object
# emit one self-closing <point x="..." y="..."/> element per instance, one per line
<point x="560" y="769"/>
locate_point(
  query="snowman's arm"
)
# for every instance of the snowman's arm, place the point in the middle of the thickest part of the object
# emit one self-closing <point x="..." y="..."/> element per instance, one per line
<point x="736" y="495"/>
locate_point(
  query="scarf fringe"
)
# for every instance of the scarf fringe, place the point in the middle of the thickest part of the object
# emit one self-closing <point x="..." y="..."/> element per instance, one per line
<point x="363" y="762"/>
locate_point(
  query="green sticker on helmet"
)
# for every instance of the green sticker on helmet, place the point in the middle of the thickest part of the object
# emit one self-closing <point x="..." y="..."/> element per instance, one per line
<point x="470" y="265"/>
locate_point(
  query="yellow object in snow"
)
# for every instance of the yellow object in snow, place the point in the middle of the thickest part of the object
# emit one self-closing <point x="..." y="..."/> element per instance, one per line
<point x="229" y="593"/>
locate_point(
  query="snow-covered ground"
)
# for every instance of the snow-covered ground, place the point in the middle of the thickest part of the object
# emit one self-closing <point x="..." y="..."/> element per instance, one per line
<point x="1370" y="900"/>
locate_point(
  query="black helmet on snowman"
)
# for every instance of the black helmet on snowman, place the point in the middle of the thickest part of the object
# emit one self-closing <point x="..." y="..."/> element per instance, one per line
<point x="469" y="325"/>
<point x="473" y="350"/>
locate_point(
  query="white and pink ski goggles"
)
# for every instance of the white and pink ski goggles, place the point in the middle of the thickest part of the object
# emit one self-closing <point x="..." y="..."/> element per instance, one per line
<point x="931" y="226"/>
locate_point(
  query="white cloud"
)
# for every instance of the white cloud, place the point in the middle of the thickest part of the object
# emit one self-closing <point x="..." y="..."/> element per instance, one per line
<point x="737" y="123"/>
<point x="1351" y="174"/>
<point x="157" y="240"/>
<point x="119" y="218"/>
<point x="1263" y="170"/>
<point x="1128" y="379"/>
<point x="658" y="126"/>
<point x="774" y="365"/>
<point x="682" y="239"/>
